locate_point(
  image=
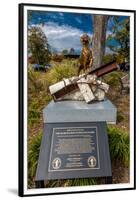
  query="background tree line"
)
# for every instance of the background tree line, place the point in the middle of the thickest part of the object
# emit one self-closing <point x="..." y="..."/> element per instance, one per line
<point x="117" y="41"/>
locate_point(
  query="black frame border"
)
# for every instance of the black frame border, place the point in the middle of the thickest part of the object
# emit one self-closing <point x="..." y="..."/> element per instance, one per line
<point x="21" y="97"/>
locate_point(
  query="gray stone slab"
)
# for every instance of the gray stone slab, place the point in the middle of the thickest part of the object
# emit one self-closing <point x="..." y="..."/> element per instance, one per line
<point x="80" y="111"/>
<point x="49" y="152"/>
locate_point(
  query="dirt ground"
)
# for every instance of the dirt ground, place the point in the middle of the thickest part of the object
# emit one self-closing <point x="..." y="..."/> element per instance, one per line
<point x="120" y="173"/>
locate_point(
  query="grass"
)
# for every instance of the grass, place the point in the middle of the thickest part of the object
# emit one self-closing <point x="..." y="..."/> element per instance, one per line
<point x="120" y="116"/>
<point x="113" y="78"/>
<point x="81" y="182"/>
<point x="119" y="145"/>
<point x="33" y="155"/>
<point x="62" y="70"/>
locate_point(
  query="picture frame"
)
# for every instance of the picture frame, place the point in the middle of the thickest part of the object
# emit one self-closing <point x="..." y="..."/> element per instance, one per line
<point x="24" y="127"/>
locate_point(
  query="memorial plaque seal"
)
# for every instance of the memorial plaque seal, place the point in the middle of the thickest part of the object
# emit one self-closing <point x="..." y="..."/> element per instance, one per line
<point x="92" y="161"/>
<point x="56" y="163"/>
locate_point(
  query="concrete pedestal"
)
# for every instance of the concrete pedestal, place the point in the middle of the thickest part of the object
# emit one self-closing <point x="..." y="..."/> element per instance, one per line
<point x="80" y="111"/>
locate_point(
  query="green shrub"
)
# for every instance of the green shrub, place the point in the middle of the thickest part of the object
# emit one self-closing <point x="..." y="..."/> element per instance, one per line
<point x="37" y="96"/>
<point x="81" y="182"/>
<point x="119" y="145"/>
<point x="120" y="117"/>
<point x="108" y="58"/>
<point x="113" y="78"/>
<point x="72" y="182"/>
<point x="33" y="155"/>
<point x="59" y="71"/>
<point x="34" y="111"/>
<point x="35" y="82"/>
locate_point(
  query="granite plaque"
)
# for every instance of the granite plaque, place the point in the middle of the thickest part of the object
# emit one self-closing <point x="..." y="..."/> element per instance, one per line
<point x="74" y="150"/>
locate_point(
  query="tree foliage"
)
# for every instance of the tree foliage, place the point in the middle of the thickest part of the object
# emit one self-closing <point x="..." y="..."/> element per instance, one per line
<point x="38" y="45"/>
<point x="109" y="58"/>
<point x="118" y="40"/>
<point x="65" y="51"/>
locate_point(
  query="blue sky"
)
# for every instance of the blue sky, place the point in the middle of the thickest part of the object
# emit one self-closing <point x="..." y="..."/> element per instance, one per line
<point x="63" y="30"/>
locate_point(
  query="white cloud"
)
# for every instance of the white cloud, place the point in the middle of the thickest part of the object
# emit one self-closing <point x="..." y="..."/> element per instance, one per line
<point x="109" y="32"/>
<point x="62" y="37"/>
<point x="65" y="37"/>
<point x="108" y="51"/>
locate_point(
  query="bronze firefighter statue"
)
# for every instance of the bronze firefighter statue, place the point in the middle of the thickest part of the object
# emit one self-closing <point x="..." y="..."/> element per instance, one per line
<point x="86" y="59"/>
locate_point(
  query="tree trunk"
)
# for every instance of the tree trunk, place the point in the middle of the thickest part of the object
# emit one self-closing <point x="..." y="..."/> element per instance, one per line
<point x="99" y="38"/>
